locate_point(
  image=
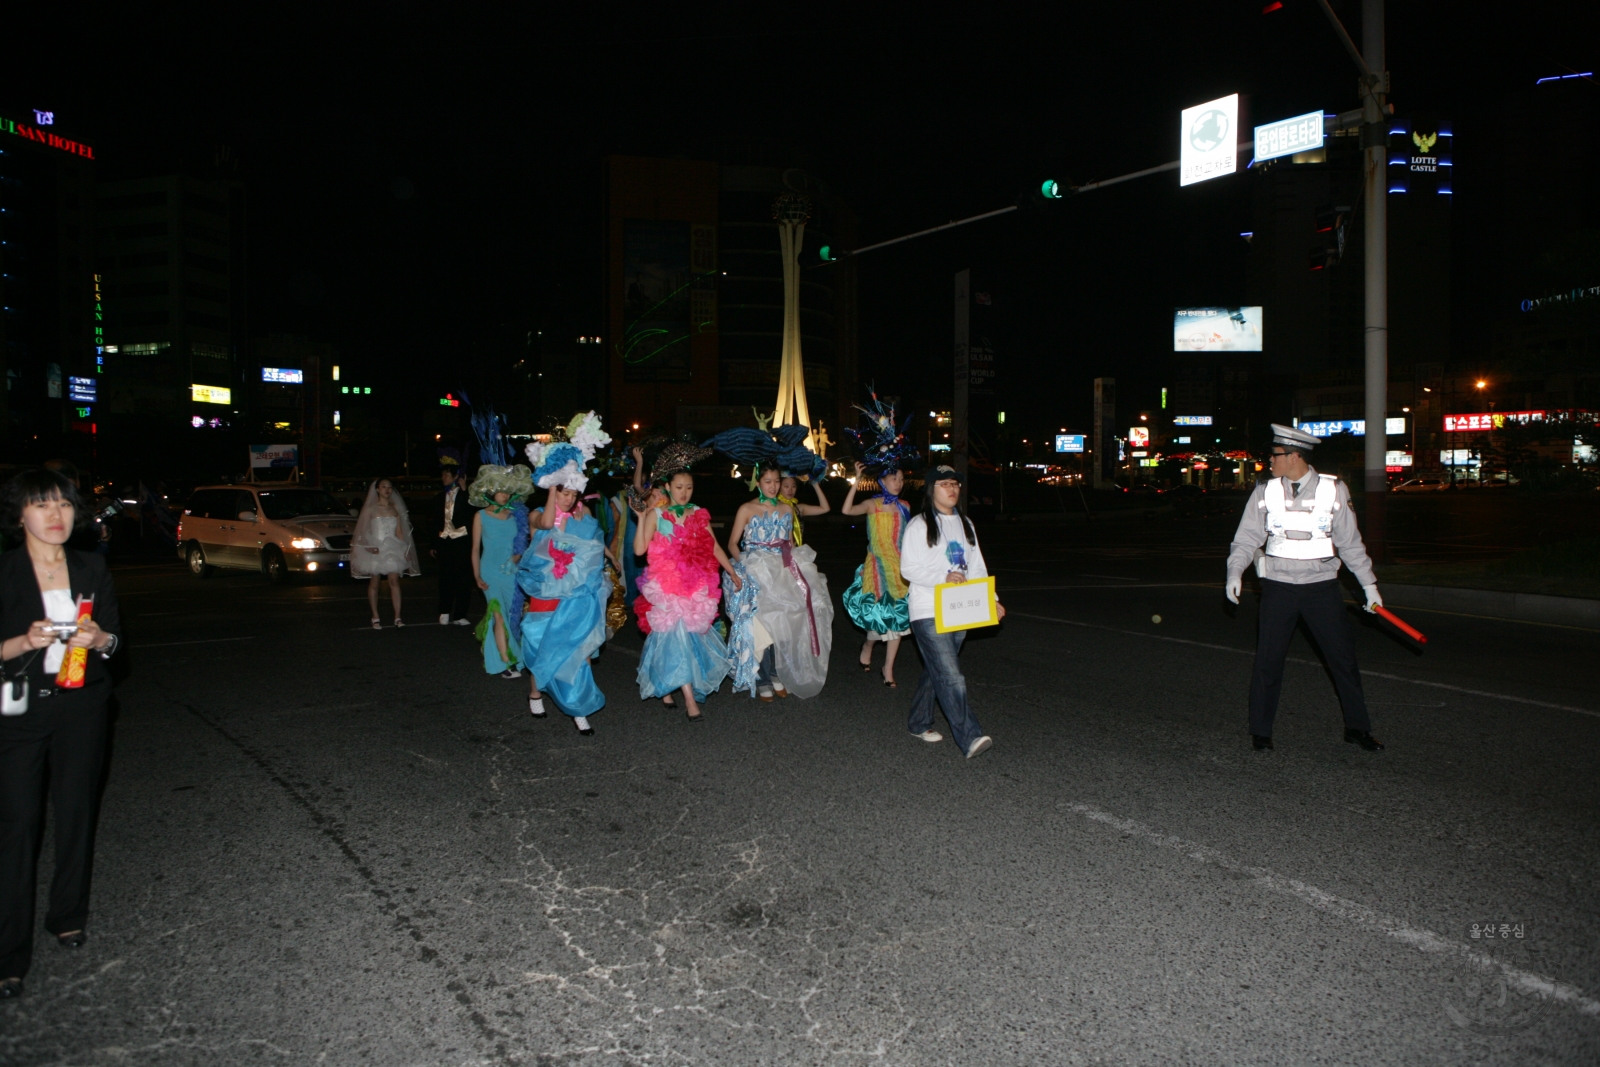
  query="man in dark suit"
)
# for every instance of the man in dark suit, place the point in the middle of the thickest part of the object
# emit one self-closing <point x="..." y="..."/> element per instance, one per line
<point x="452" y="539"/>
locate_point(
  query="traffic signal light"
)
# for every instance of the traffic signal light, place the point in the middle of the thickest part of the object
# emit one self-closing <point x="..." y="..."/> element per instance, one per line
<point x="1050" y="190"/>
<point x="1330" y="220"/>
<point x="827" y="254"/>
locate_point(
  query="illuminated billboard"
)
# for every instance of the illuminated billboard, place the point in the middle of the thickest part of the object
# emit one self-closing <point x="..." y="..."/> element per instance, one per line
<point x="1208" y="141"/>
<point x="1138" y="436"/>
<point x="1069" y="442"/>
<point x="1191" y="420"/>
<point x="83" y="390"/>
<point x="1216" y="329"/>
<point x="286" y="375"/>
<point x="1394" y="424"/>
<point x="210" y="394"/>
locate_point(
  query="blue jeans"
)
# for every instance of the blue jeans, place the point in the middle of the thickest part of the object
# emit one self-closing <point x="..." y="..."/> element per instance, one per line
<point x="942" y="679"/>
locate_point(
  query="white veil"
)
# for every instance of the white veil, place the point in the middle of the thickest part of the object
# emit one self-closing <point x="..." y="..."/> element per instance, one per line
<point x="366" y="536"/>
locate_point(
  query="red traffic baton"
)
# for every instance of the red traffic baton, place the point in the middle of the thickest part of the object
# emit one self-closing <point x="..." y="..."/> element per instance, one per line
<point x="1400" y="624"/>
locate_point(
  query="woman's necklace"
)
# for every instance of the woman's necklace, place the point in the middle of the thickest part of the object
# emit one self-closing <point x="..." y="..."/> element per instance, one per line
<point x="50" y="572"/>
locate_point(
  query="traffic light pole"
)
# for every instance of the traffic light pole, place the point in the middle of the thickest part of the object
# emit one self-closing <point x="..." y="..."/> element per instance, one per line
<point x="1371" y="62"/>
<point x="1375" y="141"/>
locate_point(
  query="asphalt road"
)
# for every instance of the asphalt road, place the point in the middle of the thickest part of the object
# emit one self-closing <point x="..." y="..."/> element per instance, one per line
<point x="325" y="844"/>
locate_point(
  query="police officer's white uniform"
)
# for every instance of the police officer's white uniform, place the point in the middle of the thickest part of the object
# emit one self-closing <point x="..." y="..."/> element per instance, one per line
<point x="1297" y="534"/>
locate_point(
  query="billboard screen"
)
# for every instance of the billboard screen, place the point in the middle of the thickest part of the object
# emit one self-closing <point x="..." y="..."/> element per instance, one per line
<point x="1393" y="424"/>
<point x="1216" y="329"/>
<point x="1208" y="142"/>
<point x="1069" y="442"/>
<point x="210" y="394"/>
<point x="286" y="375"/>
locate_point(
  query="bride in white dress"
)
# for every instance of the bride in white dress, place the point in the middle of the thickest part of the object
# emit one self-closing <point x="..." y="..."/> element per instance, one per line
<point x="383" y="546"/>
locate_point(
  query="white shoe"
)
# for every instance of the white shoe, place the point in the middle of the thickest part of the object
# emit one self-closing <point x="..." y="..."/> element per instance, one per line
<point x="933" y="737"/>
<point x="444" y="620"/>
<point x="582" y="724"/>
<point x="536" y="707"/>
<point x="462" y="622"/>
<point x="511" y="672"/>
<point x="982" y="744"/>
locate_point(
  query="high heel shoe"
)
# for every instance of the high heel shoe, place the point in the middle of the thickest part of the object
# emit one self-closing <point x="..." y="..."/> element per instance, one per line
<point x="398" y="624"/>
<point x="76" y="939"/>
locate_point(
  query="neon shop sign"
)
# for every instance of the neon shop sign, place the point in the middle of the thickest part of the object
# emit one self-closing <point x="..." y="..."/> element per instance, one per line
<point x="44" y="137"/>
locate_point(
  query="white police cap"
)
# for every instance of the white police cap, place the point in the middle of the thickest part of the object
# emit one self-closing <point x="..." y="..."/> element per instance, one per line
<point x="1293" y="438"/>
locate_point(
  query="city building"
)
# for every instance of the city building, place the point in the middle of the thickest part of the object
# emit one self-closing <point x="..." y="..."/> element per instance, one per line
<point x="173" y="255"/>
<point x="51" y="295"/>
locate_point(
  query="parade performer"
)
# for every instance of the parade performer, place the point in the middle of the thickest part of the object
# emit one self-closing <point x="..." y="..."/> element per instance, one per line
<point x="789" y="493"/>
<point x="940" y="547"/>
<point x="382" y="547"/>
<point x="678" y="591"/>
<point x="497" y="529"/>
<point x="877" y="600"/>
<point x="452" y="542"/>
<point x="1304" y="520"/>
<point x="782" y="646"/>
<point x="563" y="573"/>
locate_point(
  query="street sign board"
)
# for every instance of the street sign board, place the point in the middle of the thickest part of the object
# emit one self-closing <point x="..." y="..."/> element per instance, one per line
<point x="274" y="456"/>
<point x="1286" y="137"/>
<point x="1208" y="142"/>
<point x="1069" y="442"/>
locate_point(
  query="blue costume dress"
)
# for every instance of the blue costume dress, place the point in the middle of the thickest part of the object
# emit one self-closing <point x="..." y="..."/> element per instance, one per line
<point x="784" y="606"/>
<point x="564" y="624"/>
<point x="496" y="546"/>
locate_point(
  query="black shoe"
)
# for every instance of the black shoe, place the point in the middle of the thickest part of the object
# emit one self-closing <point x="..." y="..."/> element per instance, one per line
<point x="76" y="939"/>
<point x="11" y="987"/>
<point x="1259" y="742"/>
<point x="1362" y="738"/>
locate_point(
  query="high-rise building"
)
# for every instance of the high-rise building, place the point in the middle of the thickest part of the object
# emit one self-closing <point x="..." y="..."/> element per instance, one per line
<point x="173" y="253"/>
<point x="50" y="294"/>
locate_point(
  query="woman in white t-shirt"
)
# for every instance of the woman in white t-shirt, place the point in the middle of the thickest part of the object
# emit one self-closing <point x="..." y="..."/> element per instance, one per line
<point x="940" y="547"/>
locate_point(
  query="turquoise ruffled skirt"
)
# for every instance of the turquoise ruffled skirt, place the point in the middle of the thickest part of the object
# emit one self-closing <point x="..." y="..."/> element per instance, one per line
<point x="882" y="619"/>
<point x="677" y="658"/>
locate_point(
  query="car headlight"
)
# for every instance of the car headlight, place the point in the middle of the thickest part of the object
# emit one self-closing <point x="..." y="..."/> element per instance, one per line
<point x="304" y="542"/>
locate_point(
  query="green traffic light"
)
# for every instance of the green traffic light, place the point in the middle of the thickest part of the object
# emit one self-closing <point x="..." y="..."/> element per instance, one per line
<point x="826" y="252"/>
<point x="1051" y="190"/>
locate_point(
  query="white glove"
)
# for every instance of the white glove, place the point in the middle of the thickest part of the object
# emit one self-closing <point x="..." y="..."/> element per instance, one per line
<point x="1373" y="599"/>
<point x="1235" y="587"/>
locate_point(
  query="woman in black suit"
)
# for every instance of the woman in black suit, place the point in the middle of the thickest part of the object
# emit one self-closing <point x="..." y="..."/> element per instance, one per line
<point x="62" y="731"/>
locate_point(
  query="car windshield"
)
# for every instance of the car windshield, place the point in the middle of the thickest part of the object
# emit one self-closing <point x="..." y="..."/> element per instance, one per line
<point x="293" y="503"/>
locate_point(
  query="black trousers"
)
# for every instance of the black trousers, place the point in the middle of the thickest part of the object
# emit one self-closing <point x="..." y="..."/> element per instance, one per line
<point x="455" y="577"/>
<point x="65" y="736"/>
<point x="1321" y="605"/>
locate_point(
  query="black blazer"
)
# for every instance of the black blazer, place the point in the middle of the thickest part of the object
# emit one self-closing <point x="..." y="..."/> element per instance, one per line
<point x="462" y="516"/>
<point x="22" y="605"/>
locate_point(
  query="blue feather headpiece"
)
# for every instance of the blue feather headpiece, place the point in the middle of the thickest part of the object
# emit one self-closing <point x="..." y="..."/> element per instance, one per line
<point x="882" y="445"/>
<point x="783" y="445"/>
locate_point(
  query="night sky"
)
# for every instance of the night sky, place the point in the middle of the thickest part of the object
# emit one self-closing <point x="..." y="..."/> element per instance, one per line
<point x="425" y="182"/>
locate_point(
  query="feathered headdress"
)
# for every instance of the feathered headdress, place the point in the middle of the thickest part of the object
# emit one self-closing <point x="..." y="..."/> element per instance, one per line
<point x="783" y="445"/>
<point x="496" y="478"/>
<point x="883" y="447"/>
<point x="562" y="461"/>
<point x="675" y="458"/>
<point x="486" y="425"/>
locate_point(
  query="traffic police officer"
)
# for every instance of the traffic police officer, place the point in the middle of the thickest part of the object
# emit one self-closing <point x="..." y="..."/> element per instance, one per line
<point x="1301" y="519"/>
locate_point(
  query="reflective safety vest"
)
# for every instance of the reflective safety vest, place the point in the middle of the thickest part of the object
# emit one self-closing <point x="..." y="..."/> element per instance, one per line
<point x="1300" y="534"/>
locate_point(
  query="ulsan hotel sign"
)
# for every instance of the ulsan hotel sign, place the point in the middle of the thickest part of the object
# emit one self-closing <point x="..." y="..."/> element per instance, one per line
<point x="44" y="137"/>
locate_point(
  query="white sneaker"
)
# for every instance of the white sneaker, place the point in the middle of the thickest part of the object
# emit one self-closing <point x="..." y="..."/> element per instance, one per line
<point x="511" y="672"/>
<point x="462" y="622"/>
<point x="982" y="744"/>
<point x="582" y="723"/>
<point x="536" y="707"/>
<point x="933" y="737"/>
<point x="444" y="620"/>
